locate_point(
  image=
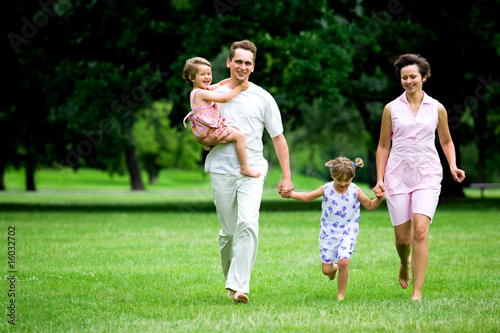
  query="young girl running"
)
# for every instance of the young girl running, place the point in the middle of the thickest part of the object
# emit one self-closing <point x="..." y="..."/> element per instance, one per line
<point x="340" y="218"/>
<point x="205" y="112"/>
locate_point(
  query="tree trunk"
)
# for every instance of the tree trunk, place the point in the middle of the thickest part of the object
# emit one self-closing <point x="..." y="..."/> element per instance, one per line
<point x="133" y="168"/>
<point x="2" y="173"/>
<point x="30" y="164"/>
<point x="133" y="165"/>
<point x="153" y="177"/>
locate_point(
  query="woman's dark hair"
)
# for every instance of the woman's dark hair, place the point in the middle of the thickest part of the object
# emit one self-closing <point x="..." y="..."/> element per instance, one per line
<point x="413" y="59"/>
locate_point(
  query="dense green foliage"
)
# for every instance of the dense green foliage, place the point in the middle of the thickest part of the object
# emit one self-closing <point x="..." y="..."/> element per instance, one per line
<point x="81" y="73"/>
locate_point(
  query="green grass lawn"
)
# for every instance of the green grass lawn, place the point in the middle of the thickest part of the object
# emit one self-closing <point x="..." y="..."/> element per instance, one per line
<point x="117" y="261"/>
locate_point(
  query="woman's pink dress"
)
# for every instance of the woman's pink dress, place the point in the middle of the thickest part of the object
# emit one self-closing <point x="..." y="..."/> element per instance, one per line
<point x="413" y="162"/>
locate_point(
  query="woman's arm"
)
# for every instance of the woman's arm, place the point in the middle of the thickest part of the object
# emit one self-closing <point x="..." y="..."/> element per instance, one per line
<point x="308" y="196"/>
<point x="384" y="145"/>
<point x="447" y="144"/>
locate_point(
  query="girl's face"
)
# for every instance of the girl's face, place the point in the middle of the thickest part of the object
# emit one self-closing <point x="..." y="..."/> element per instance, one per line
<point x="341" y="184"/>
<point x="411" y="79"/>
<point x="203" y="77"/>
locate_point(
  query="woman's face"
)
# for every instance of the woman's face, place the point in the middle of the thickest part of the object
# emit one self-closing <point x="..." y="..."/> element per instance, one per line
<point x="411" y="80"/>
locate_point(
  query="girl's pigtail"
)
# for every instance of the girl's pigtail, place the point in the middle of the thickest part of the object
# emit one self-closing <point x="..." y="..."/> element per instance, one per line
<point x="358" y="163"/>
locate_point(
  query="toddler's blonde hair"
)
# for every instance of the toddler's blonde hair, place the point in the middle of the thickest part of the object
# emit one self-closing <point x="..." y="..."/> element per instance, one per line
<point x="191" y="68"/>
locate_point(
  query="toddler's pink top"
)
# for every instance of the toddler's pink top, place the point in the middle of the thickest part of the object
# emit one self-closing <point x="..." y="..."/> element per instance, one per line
<point x="413" y="162"/>
<point x="204" y="116"/>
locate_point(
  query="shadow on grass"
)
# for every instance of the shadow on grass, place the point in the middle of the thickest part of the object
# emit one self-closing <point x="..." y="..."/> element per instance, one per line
<point x="198" y="207"/>
<point x="208" y="206"/>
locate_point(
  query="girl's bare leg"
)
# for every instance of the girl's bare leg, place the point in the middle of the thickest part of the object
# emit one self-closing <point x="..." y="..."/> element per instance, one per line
<point x="420" y="253"/>
<point x="343" y="265"/>
<point x="403" y="246"/>
<point x="330" y="270"/>
<point x="241" y="150"/>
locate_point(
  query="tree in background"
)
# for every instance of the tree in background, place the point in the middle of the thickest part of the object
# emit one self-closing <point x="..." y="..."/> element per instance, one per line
<point x="74" y="88"/>
<point x="161" y="146"/>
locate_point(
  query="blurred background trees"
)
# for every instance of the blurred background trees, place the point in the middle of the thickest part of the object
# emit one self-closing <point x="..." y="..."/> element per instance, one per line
<point x="98" y="83"/>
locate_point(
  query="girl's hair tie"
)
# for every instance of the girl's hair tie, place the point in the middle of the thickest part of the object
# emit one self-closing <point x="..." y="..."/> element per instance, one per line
<point x="331" y="166"/>
<point x="355" y="165"/>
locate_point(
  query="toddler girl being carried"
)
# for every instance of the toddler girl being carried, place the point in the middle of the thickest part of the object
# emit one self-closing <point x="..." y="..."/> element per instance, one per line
<point x="204" y="115"/>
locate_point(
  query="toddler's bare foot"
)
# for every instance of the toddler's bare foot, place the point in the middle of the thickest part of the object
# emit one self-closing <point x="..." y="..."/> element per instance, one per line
<point x="404" y="274"/>
<point x="331" y="276"/>
<point x="247" y="171"/>
<point x="240" y="297"/>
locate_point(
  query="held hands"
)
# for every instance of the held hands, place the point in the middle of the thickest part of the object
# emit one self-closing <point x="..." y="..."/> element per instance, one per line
<point x="379" y="190"/>
<point x="285" y="188"/>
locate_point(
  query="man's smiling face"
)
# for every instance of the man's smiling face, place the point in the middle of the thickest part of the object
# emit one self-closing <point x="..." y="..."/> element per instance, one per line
<point x="242" y="65"/>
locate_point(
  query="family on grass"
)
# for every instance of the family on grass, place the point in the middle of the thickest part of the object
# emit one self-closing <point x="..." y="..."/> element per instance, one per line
<point x="229" y="118"/>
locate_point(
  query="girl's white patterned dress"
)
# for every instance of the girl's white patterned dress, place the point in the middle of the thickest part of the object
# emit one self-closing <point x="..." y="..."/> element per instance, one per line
<point x="339" y="223"/>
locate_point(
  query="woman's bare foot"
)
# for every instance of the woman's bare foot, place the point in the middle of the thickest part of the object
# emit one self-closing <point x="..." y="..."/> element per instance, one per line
<point x="331" y="276"/>
<point x="404" y="274"/>
<point x="247" y="171"/>
<point x="240" y="297"/>
<point x="340" y="297"/>
<point x="417" y="296"/>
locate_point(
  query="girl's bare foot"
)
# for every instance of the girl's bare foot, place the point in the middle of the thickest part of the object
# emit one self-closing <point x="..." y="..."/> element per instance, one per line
<point x="331" y="276"/>
<point x="247" y="171"/>
<point x="404" y="274"/>
<point x="240" y="297"/>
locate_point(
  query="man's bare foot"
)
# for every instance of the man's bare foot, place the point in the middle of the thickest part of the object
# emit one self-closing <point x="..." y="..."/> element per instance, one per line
<point x="240" y="297"/>
<point x="250" y="172"/>
<point x="230" y="293"/>
<point x="331" y="276"/>
<point x="404" y="274"/>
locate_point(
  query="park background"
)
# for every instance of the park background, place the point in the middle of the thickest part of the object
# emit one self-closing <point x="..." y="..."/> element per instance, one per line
<point x="97" y="84"/>
<point x="115" y="225"/>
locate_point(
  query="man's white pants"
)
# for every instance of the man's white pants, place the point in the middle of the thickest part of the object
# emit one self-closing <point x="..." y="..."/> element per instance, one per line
<point x="237" y="199"/>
